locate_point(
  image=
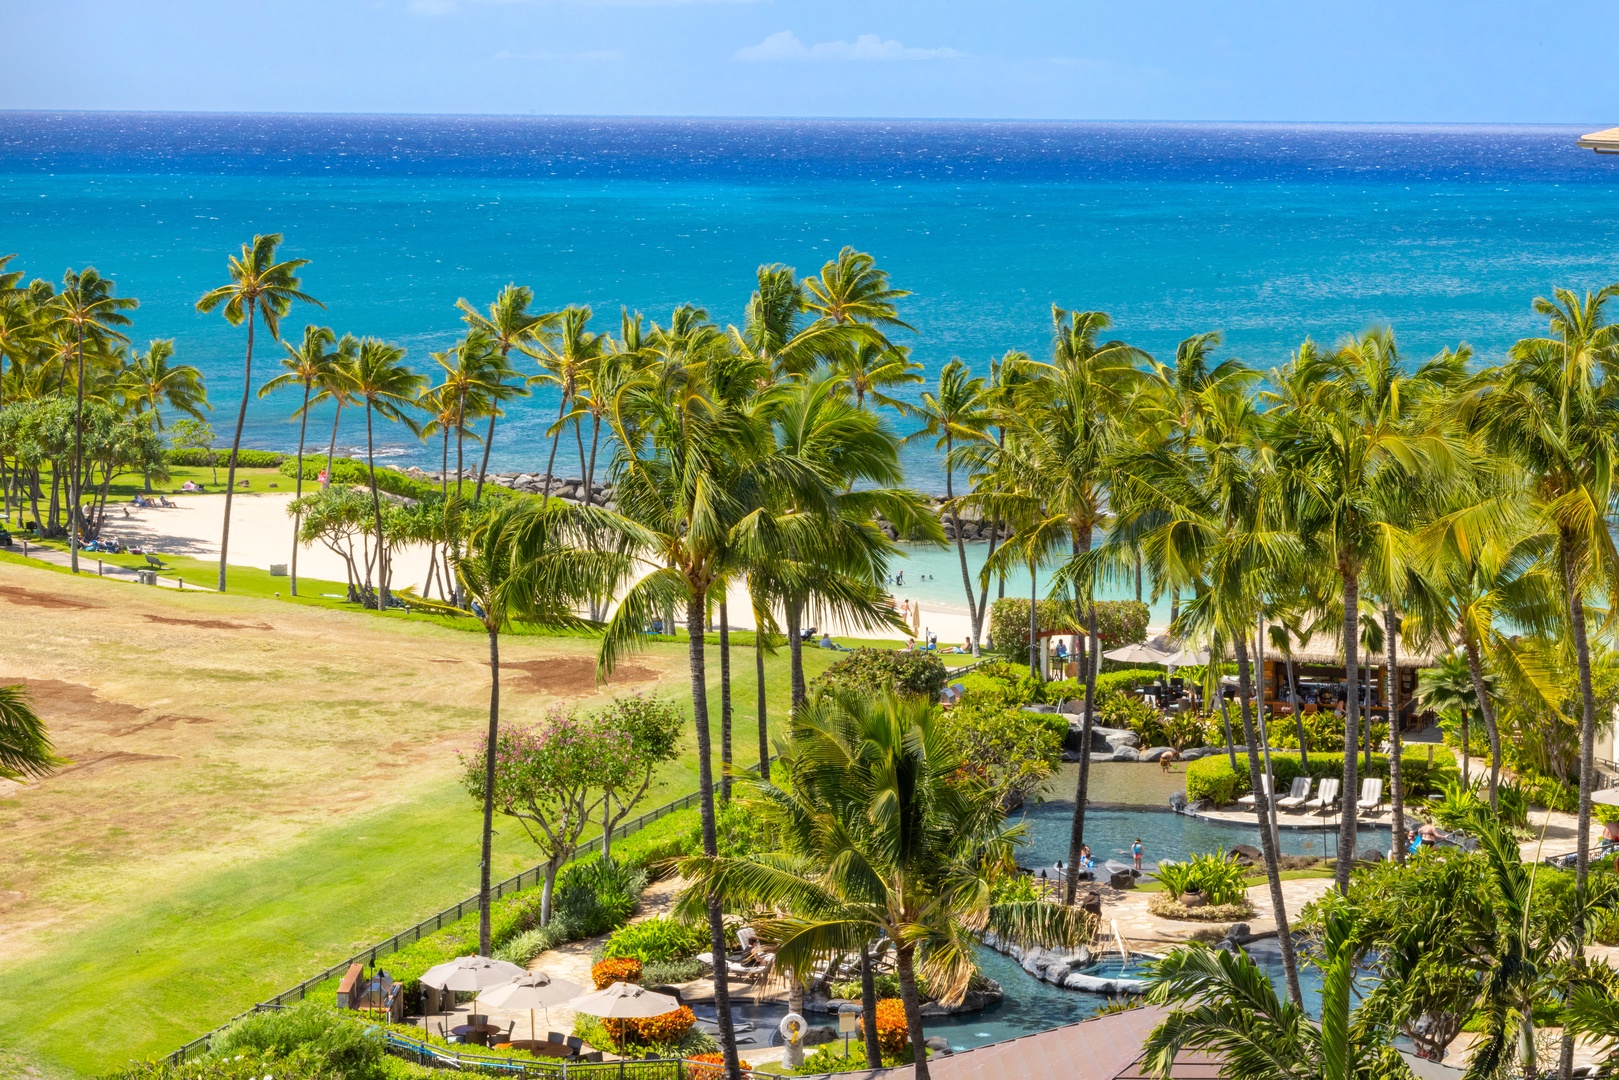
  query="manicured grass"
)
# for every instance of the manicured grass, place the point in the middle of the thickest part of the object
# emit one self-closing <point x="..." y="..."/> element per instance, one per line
<point x="266" y="788"/>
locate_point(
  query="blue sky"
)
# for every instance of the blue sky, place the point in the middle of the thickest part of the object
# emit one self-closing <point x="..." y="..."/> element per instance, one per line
<point x="1471" y="61"/>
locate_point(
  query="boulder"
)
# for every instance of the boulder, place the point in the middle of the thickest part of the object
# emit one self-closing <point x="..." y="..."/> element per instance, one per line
<point x="937" y="1043"/>
<point x="817" y="1034"/>
<point x="1370" y="855"/>
<point x="1123" y="879"/>
<point x="1238" y="933"/>
<point x="1153" y="753"/>
<point x="1072" y="707"/>
<point x="1040" y="708"/>
<point x="1126" y="753"/>
<point x="1177" y="802"/>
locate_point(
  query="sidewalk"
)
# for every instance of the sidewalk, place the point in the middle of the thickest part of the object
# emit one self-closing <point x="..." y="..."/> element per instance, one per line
<point x="90" y="564"/>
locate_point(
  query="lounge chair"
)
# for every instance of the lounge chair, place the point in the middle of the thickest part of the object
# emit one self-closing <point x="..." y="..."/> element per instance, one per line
<point x="1326" y="795"/>
<point x="1371" y="794"/>
<point x="1250" y="801"/>
<point x="1297" y="795"/>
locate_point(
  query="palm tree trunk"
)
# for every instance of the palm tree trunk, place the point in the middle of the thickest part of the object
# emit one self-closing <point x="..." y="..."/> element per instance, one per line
<point x="1396" y="743"/>
<point x="489" y="790"/>
<point x="235" y="448"/>
<point x="868" y="1008"/>
<point x="488" y="441"/>
<point x="725" y="704"/>
<point x="1082" y="789"/>
<point x="1349" y="795"/>
<point x="1267" y="835"/>
<point x="1298" y="713"/>
<point x="331" y="447"/>
<point x="905" y="957"/>
<point x="1225" y="716"/>
<point x="444" y="468"/>
<point x="298" y="487"/>
<point x="1486" y="707"/>
<point x="78" y="459"/>
<point x="1582" y="651"/>
<point x="460" y="445"/>
<point x="550" y="463"/>
<point x="376" y="509"/>
<point x="1034" y="627"/>
<point x="705" y="787"/>
<point x="795" y="650"/>
<point x="983" y="588"/>
<point x="759" y="677"/>
<point x="961" y="547"/>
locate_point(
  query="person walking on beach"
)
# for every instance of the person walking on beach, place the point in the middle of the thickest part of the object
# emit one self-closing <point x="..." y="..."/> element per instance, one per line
<point x="1136" y="852"/>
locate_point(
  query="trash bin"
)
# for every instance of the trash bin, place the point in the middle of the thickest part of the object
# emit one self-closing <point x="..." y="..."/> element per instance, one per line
<point x="146" y="577"/>
<point x="278" y="569"/>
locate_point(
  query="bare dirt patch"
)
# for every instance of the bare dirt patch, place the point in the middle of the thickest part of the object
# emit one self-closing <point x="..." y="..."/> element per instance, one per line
<point x="207" y="624"/>
<point x="165" y="722"/>
<point x="100" y="760"/>
<point x="29" y="598"/>
<point x="65" y="703"/>
<point x="568" y="676"/>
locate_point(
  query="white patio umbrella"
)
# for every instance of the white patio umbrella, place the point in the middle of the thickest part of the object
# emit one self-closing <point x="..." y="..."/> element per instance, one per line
<point x="471" y="973"/>
<point x="1137" y="654"/>
<point x="625" y="1001"/>
<point x="1609" y="796"/>
<point x="533" y="990"/>
<point x="1183" y="657"/>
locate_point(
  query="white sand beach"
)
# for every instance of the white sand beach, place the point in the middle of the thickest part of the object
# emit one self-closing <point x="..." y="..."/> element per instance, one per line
<point x="261" y="536"/>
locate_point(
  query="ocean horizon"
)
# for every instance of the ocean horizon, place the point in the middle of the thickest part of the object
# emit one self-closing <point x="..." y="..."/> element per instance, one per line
<point x="1266" y="232"/>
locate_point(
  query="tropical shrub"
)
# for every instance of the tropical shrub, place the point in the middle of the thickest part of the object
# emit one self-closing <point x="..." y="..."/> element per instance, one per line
<point x="1166" y="906"/>
<point x="1010" y="749"/>
<point x="886" y="984"/>
<point x="660" y="972"/>
<point x="337" y="1042"/>
<point x="1118" y="622"/>
<point x="244" y="1066"/>
<point x="1216" y="876"/>
<point x="999" y="684"/>
<point x="1211" y="777"/>
<point x="1457" y="805"/>
<point x="201" y="457"/>
<point x="1323" y="728"/>
<point x="667" y="1029"/>
<point x="710" y="1066"/>
<point x="605" y="973"/>
<point x="627" y="1037"/>
<point x="1124" y="711"/>
<point x="656" y="939"/>
<point x="892" y="1035"/>
<point x="1015" y="888"/>
<point x="350" y="471"/>
<point x="874" y="671"/>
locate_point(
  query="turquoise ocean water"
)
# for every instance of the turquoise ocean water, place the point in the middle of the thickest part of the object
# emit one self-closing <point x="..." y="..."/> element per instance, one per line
<point x="1267" y="233"/>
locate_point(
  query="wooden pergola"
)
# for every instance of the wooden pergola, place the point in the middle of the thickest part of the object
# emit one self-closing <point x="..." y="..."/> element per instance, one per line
<point x="1605" y="141"/>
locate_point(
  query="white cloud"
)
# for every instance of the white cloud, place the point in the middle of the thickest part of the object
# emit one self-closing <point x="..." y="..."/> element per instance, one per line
<point x="786" y="46"/>
<point x="592" y="55"/>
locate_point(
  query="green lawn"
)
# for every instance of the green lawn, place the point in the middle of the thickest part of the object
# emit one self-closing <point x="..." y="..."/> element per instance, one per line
<point x="137" y="975"/>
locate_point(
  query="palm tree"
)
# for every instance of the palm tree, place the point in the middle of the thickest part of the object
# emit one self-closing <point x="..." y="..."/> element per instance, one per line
<point x="88" y="311"/>
<point x="509" y="325"/>
<point x="1553" y="408"/>
<point x="958" y="414"/>
<point x="851" y="289"/>
<point x="379" y="376"/>
<point x="871" y="369"/>
<point x="1355" y="444"/>
<point x="1221" y="1003"/>
<point x="567" y="359"/>
<point x="25" y="745"/>
<point x="528" y="562"/>
<point x="149" y="382"/>
<point x="309" y="364"/>
<point x="881" y="836"/>
<point x="260" y="288"/>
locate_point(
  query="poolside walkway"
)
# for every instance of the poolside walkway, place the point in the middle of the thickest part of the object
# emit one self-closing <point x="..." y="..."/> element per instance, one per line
<point x="1144" y="930"/>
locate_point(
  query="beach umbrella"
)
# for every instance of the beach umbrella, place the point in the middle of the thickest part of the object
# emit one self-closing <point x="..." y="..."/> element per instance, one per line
<point x="1607" y="796"/>
<point x="1137" y="654"/>
<point x="533" y="990"/>
<point x="1184" y="657"/>
<point x="470" y="973"/>
<point x="625" y="1001"/>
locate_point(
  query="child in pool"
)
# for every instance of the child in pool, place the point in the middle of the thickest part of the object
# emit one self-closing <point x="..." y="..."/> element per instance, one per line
<point x="1136" y="852"/>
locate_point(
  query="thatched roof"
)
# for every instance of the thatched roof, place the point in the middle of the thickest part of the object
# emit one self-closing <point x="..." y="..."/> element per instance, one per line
<point x="1329" y="649"/>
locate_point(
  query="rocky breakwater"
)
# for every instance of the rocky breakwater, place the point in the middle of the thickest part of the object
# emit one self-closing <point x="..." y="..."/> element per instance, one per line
<point x="1065" y="968"/>
<point x="571" y="488"/>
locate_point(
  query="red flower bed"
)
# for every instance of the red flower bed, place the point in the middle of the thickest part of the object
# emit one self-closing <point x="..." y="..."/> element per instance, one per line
<point x="893" y="1037"/>
<point x="621" y="969"/>
<point x="670" y="1027"/>
<point x="694" y="1071"/>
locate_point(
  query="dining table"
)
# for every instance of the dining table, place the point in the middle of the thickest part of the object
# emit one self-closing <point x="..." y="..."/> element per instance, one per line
<point x="477" y="1034"/>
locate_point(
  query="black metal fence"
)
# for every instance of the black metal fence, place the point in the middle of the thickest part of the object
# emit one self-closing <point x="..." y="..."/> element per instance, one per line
<point x="433" y="923"/>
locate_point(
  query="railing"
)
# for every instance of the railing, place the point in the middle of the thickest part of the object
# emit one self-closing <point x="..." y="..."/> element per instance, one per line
<point x="424" y="1053"/>
<point x="433" y="923"/>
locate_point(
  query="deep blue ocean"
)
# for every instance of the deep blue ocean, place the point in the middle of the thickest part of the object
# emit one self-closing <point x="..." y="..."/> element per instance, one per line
<point x="1268" y="233"/>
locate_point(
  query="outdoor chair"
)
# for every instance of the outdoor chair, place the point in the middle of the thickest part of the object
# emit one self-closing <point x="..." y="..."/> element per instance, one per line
<point x="555" y="1036"/>
<point x="1326" y="795"/>
<point x="1298" y="795"/>
<point x="1250" y="801"/>
<point x="1371" y="794"/>
<point x="575" y="1043"/>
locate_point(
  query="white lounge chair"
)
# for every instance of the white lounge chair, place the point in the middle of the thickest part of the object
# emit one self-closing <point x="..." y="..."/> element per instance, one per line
<point x="1371" y="794"/>
<point x="1250" y="801"/>
<point x="1298" y="795"/>
<point x="1326" y="796"/>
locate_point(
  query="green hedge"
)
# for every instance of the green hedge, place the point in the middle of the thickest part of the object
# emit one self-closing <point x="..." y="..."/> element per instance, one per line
<point x="878" y="670"/>
<point x="246" y="459"/>
<point x="1118" y="622"/>
<point x="350" y="471"/>
<point x="1211" y="777"/>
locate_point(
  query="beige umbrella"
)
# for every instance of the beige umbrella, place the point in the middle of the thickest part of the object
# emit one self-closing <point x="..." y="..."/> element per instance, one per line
<point x="1137" y="654"/>
<point x="534" y="990"/>
<point x="625" y="1001"/>
<point x="1185" y="657"/>
<point x="1608" y="796"/>
<point x="470" y="973"/>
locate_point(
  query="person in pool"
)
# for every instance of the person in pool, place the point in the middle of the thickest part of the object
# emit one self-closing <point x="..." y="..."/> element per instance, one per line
<point x="1136" y="852"/>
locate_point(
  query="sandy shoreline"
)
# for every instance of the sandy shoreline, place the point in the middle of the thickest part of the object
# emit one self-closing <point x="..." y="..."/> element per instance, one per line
<point x="261" y="536"/>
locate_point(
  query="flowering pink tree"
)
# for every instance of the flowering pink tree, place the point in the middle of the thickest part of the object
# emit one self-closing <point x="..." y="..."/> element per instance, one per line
<point x="549" y="776"/>
<point x="649" y="728"/>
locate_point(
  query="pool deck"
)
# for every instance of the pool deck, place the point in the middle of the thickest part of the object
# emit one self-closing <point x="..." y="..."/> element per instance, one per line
<point x="1298" y="820"/>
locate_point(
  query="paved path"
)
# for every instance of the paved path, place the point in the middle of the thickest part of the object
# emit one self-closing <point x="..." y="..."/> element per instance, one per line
<point x="89" y="564"/>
